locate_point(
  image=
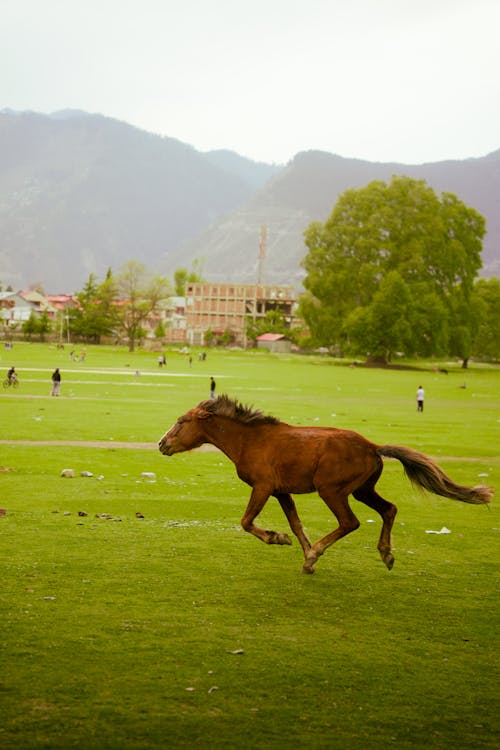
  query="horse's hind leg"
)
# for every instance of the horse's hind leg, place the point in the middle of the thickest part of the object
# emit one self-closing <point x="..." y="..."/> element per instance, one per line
<point x="367" y="494"/>
<point x="288" y="506"/>
<point x="339" y="505"/>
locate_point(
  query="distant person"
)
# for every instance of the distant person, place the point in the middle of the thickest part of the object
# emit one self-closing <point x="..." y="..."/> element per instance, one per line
<point x="56" y="383"/>
<point x="212" y="388"/>
<point x="420" y="398"/>
<point x="12" y="375"/>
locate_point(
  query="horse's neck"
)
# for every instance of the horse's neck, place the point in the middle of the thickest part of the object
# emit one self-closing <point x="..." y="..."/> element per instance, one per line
<point x="226" y="435"/>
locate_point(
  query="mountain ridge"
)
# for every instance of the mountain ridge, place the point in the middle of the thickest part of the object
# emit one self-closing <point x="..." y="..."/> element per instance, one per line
<point x="81" y="192"/>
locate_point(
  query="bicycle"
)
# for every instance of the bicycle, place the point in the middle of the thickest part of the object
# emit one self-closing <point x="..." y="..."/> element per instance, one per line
<point x="10" y="383"/>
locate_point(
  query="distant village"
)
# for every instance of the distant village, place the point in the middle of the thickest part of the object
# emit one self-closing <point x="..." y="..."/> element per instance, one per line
<point x="207" y="310"/>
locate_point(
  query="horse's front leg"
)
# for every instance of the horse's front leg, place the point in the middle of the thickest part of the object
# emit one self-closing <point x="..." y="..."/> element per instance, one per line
<point x="258" y="499"/>
<point x="288" y="505"/>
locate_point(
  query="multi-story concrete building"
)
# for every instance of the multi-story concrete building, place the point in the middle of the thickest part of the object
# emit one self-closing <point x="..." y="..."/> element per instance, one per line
<point x="220" y="308"/>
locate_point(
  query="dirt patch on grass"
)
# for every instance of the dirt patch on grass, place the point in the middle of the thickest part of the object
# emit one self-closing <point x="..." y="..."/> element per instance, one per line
<point x="96" y="444"/>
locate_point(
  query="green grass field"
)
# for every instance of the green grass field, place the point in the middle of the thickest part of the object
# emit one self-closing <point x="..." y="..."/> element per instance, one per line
<point x="178" y="628"/>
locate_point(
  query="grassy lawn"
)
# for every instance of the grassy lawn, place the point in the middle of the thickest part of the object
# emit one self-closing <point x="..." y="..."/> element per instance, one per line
<point x="177" y="628"/>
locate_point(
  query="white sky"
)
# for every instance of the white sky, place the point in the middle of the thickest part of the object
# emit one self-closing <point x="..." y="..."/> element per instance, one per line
<point x="383" y="80"/>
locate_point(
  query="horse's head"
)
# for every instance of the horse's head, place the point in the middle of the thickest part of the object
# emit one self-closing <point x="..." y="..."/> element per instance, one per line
<point x="187" y="433"/>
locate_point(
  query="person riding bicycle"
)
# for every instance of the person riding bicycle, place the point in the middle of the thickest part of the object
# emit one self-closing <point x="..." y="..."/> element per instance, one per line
<point x="12" y="375"/>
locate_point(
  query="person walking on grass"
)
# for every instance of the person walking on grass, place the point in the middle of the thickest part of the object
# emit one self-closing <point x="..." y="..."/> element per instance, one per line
<point x="212" y="388"/>
<point x="420" y="398"/>
<point x="56" y="382"/>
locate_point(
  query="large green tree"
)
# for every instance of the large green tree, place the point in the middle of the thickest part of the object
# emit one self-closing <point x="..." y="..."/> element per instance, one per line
<point x="433" y="246"/>
<point x="486" y="342"/>
<point x="96" y="314"/>
<point x="140" y="295"/>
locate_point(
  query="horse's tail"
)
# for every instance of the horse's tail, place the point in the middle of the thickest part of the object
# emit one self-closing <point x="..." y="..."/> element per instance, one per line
<point x="423" y="472"/>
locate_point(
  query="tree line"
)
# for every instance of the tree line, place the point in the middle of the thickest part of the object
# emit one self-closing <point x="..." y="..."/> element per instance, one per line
<point x="394" y="269"/>
<point x="117" y="307"/>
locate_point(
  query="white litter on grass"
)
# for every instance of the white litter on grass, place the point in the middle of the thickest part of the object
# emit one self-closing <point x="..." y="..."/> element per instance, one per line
<point x="68" y="473"/>
<point x="444" y="530"/>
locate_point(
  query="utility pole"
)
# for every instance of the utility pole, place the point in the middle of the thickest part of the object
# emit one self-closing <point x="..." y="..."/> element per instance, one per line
<point x="262" y="253"/>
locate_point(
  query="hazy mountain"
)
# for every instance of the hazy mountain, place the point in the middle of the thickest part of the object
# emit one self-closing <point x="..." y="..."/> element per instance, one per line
<point x="307" y="189"/>
<point x="80" y="193"/>
<point x="255" y="173"/>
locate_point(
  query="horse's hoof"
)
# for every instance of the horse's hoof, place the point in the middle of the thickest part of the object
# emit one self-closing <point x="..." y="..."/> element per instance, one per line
<point x="277" y="537"/>
<point x="309" y="566"/>
<point x="389" y="562"/>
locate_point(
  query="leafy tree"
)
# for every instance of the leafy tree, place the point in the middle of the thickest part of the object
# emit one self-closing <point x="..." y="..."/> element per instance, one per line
<point x="434" y="244"/>
<point x="44" y="325"/>
<point x="222" y="339"/>
<point x="430" y="323"/>
<point x="140" y="293"/>
<point x="108" y="296"/>
<point x="227" y="337"/>
<point x="160" y="330"/>
<point x="487" y="304"/>
<point x="82" y="316"/>
<point x="273" y="322"/>
<point x="37" y="324"/>
<point x="96" y="314"/>
<point x="385" y="326"/>
<point x="30" y="326"/>
<point x="182" y="277"/>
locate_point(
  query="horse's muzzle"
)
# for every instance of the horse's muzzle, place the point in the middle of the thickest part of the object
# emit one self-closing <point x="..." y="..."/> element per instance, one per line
<point x="165" y="447"/>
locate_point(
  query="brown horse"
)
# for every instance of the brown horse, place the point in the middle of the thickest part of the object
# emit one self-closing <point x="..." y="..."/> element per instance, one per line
<point x="276" y="458"/>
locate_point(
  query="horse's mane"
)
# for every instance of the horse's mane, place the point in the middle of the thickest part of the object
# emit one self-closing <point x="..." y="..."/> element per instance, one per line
<point x="223" y="406"/>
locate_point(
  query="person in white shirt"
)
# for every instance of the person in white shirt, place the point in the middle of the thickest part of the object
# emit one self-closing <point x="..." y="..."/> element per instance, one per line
<point x="420" y="398"/>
